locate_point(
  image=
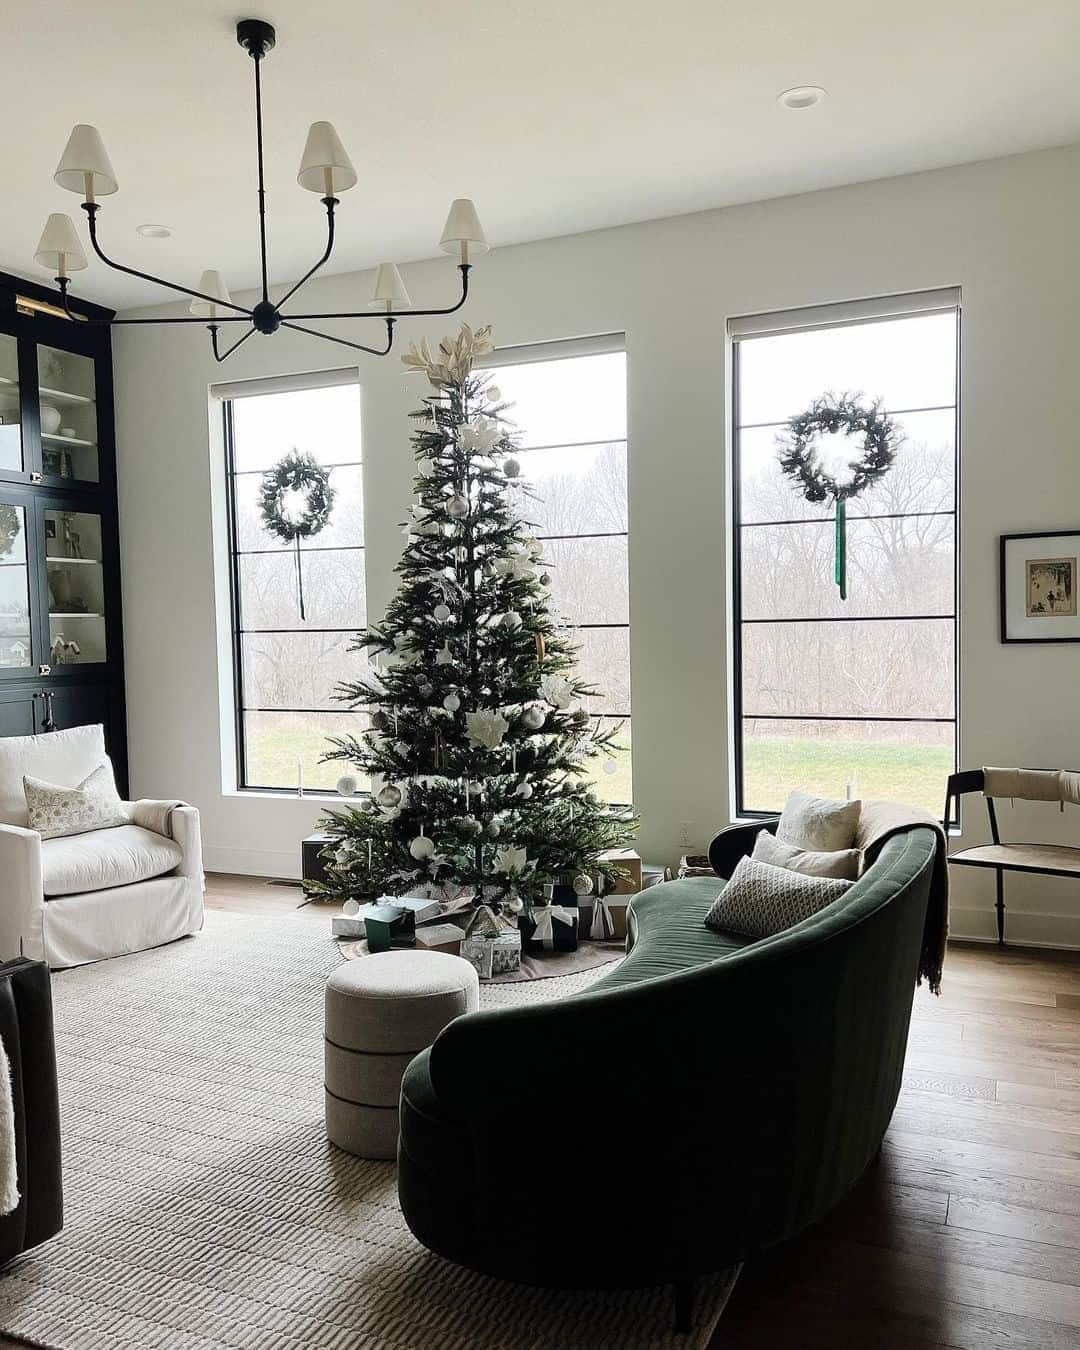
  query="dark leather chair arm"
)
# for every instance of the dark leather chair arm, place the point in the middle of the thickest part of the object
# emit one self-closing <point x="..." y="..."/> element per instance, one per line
<point x="735" y="842"/>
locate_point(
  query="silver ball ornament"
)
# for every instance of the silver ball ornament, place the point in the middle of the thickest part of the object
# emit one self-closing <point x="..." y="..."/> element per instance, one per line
<point x="515" y="904"/>
<point x="470" y="825"/>
<point x="534" y="718"/>
<point x="511" y="468"/>
<point x="451" y="703"/>
<point x="442" y="614"/>
<point x="610" y="766"/>
<point x="421" y="847"/>
<point x="494" y="829"/>
<point x="583" y="884"/>
<point x="351" y="907"/>
<point x="346" y="785"/>
<point x="512" y="620"/>
<point x="524" y="791"/>
<point x="389" y="796"/>
<point x="457" y="508"/>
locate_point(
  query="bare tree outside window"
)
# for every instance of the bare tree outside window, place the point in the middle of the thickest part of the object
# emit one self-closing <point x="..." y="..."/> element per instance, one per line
<point x="857" y="696"/>
<point x="572" y="417"/>
<point x="288" y="667"/>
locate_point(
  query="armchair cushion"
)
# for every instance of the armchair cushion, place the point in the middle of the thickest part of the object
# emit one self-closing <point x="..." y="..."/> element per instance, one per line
<point x="63" y="757"/>
<point x="94" y="804"/>
<point x="101" y="859"/>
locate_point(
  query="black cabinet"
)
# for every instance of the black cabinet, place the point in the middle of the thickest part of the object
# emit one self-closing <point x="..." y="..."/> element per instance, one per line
<point x="61" y="646"/>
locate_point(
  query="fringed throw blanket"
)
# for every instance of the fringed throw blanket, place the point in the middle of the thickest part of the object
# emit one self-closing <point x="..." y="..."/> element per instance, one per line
<point x="878" y="822"/>
<point x="9" y="1178"/>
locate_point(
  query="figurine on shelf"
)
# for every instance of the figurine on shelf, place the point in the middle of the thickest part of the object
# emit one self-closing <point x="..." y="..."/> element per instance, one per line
<point x="62" y="652"/>
<point x="72" y="538"/>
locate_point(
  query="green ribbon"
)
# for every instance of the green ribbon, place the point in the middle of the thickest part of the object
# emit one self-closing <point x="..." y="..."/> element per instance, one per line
<point x="840" y="565"/>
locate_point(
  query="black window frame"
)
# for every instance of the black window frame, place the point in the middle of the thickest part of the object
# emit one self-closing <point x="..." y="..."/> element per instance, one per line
<point x="237" y="629"/>
<point x="739" y="716"/>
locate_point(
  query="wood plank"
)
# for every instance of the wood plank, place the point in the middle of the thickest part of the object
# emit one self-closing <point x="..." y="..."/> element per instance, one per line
<point x="1061" y="1098"/>
<point x="988" y="1216"/>
<point x="949" y="1084"/>
<point x="1013" y="1069"/>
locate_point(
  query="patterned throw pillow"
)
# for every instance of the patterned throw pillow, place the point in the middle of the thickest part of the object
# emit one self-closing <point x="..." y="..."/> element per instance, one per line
<point x="841" y="862"/>
<point x="94" y="805"/>
<point x="761" y="900"/>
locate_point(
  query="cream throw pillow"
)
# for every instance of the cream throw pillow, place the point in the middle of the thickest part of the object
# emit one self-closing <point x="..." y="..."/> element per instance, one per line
<point x="761" y="900"/>
<point x="817" y="823"/>
<point x="94" y="805"/>
<point x="843" y="862"/>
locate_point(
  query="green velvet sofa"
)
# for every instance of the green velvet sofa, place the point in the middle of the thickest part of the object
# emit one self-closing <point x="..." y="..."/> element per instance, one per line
<point x="708" y="1098"/>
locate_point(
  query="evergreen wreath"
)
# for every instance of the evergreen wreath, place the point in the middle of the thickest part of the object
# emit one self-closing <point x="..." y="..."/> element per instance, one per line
<point x="799" y="459"/>
<point x="9" y="527"/>
<point x="296" y="473"/>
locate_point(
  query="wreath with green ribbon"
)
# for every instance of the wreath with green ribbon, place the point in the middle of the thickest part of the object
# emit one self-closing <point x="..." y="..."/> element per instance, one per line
<point x="873" y="432"/>
<point x="295" y="501"/>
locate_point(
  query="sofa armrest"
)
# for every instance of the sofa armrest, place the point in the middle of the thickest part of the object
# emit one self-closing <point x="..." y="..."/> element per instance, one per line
<point x="22" y="900"/>
<point x="735" y="842"/>
<point x="177" y="821"/>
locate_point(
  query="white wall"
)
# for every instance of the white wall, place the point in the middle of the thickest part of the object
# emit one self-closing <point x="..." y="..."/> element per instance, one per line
<point x="1003" y="230"/>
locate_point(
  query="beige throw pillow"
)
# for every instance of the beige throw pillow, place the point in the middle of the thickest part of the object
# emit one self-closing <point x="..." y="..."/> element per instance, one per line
<point x="761" y="900"/>
<point x="94" y="805"/>
<point x="818" y="823"/>
<point x="844" y="862"/>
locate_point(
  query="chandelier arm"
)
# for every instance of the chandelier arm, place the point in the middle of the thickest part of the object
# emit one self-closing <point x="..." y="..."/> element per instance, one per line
<point x="463" y="268"/>
<point x="221" y="356"/>
<point x="91" y="209"/>
<point x="344" y="342"/>
<point x="257" y="56"/>
<point x="329" y="203"/>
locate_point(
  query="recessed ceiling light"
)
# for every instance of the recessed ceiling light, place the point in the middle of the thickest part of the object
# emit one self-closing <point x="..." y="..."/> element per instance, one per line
<point x="801" y="97"/>
<point x="154" y="231"/>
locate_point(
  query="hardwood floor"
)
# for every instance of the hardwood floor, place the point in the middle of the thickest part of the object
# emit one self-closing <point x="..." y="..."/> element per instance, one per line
<point x="966" y="1234"/>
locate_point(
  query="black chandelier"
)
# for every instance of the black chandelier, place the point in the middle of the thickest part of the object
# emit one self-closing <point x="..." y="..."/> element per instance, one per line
<point x="325" y="167"/>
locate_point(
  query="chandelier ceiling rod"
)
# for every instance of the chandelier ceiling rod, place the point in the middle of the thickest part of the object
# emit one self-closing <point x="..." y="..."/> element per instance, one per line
<point x="85" y="168"/>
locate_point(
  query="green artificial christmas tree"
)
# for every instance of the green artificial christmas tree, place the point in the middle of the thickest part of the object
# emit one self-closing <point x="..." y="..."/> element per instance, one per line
<point x="479" y="746"/>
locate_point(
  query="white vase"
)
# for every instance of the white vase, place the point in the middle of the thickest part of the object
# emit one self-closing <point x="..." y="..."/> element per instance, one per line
<point x="50" y="419"/>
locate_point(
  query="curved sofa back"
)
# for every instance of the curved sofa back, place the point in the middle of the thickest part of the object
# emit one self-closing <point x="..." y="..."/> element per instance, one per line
<point x="745" y="1095"/>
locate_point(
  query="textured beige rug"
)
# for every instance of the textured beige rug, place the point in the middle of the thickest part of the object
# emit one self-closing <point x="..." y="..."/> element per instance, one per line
<point x="205" y="1209"/>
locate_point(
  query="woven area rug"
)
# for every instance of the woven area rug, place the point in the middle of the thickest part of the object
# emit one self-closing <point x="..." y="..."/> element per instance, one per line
<point x="544" y="966"/>
<point x="204" y="1207"/>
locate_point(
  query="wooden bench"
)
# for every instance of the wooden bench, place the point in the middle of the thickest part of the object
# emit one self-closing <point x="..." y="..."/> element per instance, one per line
<point x="1050" y="860"/>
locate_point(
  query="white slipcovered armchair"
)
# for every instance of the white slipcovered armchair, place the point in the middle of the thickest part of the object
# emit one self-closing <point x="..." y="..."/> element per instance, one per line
<point x="103" y="893"/>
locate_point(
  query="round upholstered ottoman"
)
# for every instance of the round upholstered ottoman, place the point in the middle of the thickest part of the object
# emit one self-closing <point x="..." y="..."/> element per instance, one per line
<point x="381" y="1011"/>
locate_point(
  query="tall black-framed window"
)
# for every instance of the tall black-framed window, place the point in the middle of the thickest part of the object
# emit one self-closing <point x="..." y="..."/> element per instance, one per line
<point x="286" y="667"/>
<point x="569" y="403"/>
<point x="855" y="697"/>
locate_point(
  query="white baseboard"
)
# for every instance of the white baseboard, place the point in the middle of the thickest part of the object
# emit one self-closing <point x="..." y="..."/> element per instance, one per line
<point x="252" y="862"/>
<point x="1023" y="928"/>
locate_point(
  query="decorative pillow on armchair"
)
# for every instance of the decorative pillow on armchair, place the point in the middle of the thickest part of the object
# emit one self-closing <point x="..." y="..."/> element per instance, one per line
<point x="761" y="900"/>
<point x="818" y="823"/>
<point x="94" y="805"/>
<point x="842" y="862"/>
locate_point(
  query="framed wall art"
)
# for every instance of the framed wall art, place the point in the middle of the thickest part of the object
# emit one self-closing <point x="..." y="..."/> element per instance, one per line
<point x="1039" y="575"/>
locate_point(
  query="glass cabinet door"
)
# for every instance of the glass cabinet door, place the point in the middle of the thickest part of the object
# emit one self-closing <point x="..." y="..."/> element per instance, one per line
<point x="76" y="587"/>
<point x="11" y="446"/>
<point x="68" y="415"/>
<point x="16" y="641"/>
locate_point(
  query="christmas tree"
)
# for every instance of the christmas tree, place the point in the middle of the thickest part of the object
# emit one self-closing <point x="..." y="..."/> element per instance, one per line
<point x="479" y="744"/>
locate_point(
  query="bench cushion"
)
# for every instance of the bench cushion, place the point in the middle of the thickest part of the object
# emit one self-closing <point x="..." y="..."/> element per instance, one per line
<point x="1023" y="857"/>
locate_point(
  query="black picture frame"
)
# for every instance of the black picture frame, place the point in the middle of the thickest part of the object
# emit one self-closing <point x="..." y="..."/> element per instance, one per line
<point x="1003" y="604"/>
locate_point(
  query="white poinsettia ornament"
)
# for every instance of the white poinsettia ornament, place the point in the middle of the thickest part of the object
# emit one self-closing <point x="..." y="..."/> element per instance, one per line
<point x="512" y="861"/>
<point x="480" y="436"/>
<point x="486" y="727"/>
<point x="557" y="690"/>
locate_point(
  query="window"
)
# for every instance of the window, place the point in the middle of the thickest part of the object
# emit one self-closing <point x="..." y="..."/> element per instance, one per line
<point x="855" y="696"/>
<point x="286" y="668"/>
<point x="570" y="406"/>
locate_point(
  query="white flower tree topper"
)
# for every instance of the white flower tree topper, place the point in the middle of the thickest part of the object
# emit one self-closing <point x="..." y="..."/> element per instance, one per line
<point x="479" y="745"/>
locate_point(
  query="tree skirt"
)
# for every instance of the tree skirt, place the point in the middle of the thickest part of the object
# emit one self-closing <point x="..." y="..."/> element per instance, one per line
<point x="589" y="956"/>
<point x="205" y="1209"/>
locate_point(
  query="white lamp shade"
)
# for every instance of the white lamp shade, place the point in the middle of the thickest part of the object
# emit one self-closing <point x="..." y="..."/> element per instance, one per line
<point x="389" y="293"/>
<point x="59" y="249"/>
<point x="325" y="167"/>
<point x="85" y="154"/>
<point x="210" y="283"/>
<point x="463" y="227"/>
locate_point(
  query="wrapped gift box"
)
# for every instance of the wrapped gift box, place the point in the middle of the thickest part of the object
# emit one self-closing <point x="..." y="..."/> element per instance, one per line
<point x="615" y="928"/>
<point x="388" y="927"/>
<point x="554" y="931"/>
<point x="492" y="954"/>
<point x="630" y="862"/>
<point x="422" y="906"/>
<point x="440" y="937"/>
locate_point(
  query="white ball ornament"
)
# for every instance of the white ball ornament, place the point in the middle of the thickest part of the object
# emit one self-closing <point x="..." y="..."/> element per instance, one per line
<point x="400" y="748"/>
<point x="583" y="884"/>
<point x="511" y="467"/>
<point x="351" y="907"/>
<point x="346" y="785"/>
<point x="494" y="393"/>
<point x="442" y="614"/>
<point x="512" y="620"/>
<point x="524" y="791"/>
<point x="610" y="766"/>
<point x="494" y="829"/>
<point x="422" y="847"/>
<point x="457" y="508"/>
<point x="451" y="703"/>
<point x="534" y="718"/>
<point x="389" y="796"/>
<point x="515" y="904"/>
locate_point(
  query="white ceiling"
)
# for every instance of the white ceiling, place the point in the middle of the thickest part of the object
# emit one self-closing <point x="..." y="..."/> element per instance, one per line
<point x="556" y="117"/>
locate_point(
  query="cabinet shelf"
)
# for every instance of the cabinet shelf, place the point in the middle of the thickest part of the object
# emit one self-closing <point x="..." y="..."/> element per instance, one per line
<point x="65" y="397"/>
<point x="57" y="439"/>
<point x="73" y="562"/>
<point x="73" y="614"/>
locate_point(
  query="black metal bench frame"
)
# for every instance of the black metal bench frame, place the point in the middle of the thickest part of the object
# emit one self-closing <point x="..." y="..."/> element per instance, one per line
<point x="973" y="780"/>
